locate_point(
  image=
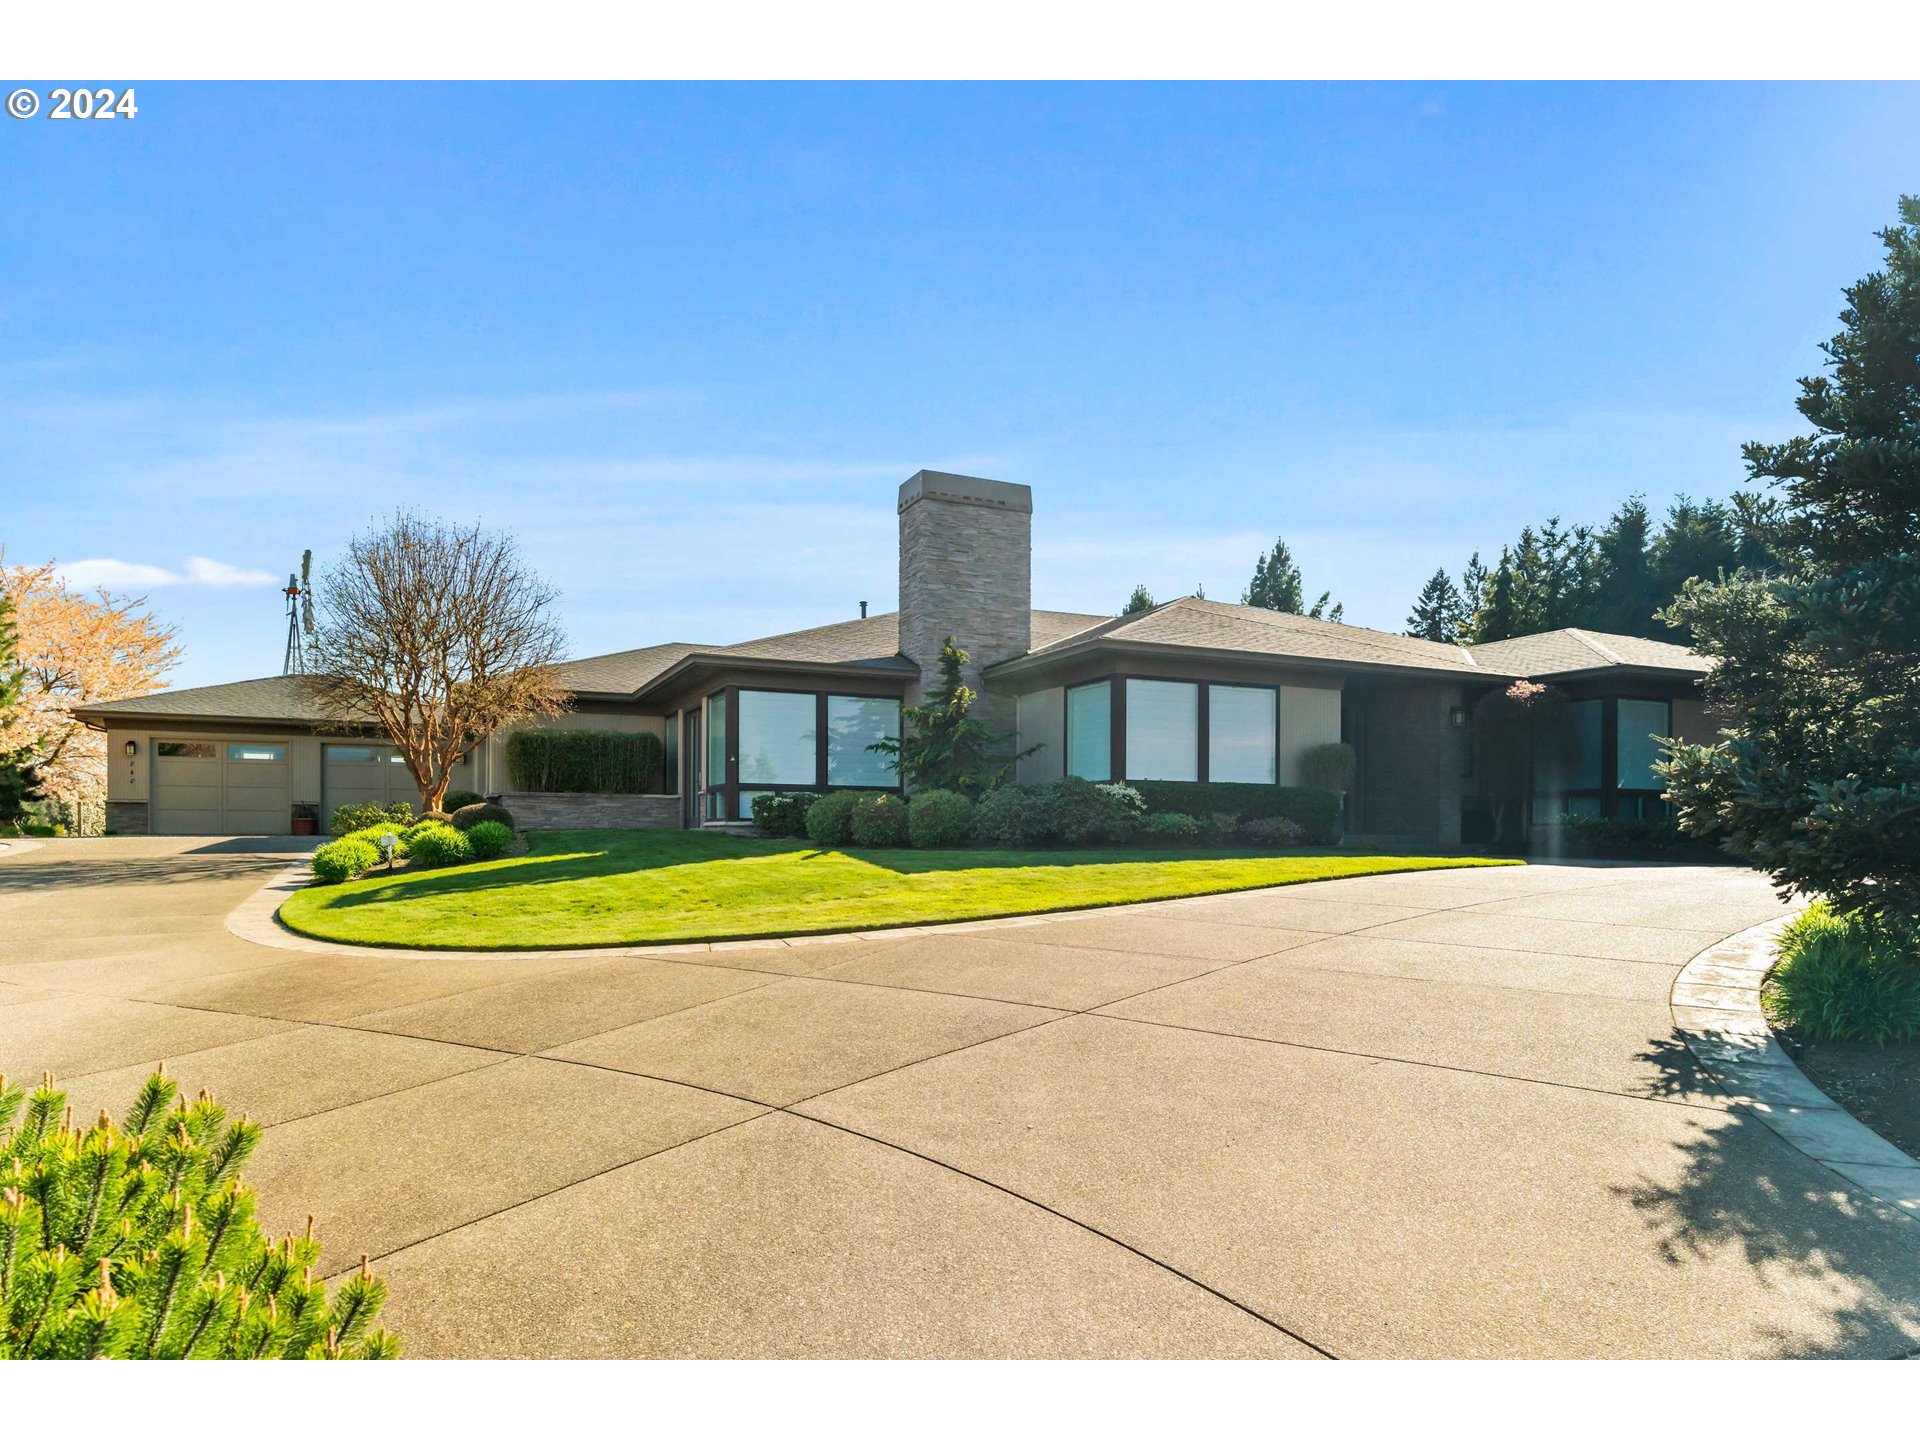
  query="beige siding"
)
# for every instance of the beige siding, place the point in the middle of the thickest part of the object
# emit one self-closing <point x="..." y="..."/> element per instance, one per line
<point x="1309" y="716"/>
<point x="1041" y="719"/>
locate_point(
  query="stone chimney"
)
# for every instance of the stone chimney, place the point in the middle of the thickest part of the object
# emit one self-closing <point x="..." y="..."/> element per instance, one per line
<point x="966" y="570"/>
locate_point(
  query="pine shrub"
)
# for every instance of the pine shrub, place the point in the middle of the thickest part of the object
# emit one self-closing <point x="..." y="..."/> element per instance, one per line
<point x="490" y="840"/>
<point x="879" y="821"/>
<point x="139" y="1241"/>
<point x="437" y="845"/>
<point x="469" y="816"/>
<point x="830" y="818"/>
<point x="937" y="818"/>
<point x="343" y="859"/>
<point x="1846" y="976"/>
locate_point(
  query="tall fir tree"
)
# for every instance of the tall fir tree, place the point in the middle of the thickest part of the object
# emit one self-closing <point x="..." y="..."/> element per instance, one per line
<point x="1818" y="665"/>
<point x="1473" y="590"/>
<point x="1276" y="582"/>
<point x="1439" y="613"/>
<point x="1625" y="591"/>
<point x="1498" y="617"/>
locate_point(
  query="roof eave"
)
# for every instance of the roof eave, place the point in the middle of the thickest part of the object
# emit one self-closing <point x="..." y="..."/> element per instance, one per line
<point x="1023" y="664"/>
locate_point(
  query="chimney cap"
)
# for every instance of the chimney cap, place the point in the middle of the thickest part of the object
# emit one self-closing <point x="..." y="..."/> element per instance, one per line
<point x="863" y="609"/>
<point x="965" y="490"/>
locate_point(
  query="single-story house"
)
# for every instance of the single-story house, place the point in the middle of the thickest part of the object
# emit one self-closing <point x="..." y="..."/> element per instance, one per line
<point x="1190" y="690"/>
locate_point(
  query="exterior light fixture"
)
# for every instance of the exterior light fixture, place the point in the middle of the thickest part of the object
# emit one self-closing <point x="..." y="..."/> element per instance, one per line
<point x="132" y="748"/>
<point x="1457" y="717"/>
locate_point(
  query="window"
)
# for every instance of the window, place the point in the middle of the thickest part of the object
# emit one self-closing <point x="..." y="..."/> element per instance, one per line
<point x="1090" y="731"/>
<point x="352" y="754"/>
<point x="670" y="766"/>
<point x="1637" y="749"/>
<point x="716" y="775"/>
<point x="853" y="723"/>
<point x="185" y="749"/>
<point x="1163" y="730"/>
<point x="776" y="738"/>
<point x="744" y="808"/>
<point x="256" y="752"/>
<point x="1240" y="734"/>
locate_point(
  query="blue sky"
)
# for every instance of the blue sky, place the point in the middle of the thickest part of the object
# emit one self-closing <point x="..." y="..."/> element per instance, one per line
<point x="685" y="341"/>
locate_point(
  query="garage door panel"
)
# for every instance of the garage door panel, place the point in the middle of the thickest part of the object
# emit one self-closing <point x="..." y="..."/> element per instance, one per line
<point x="220" y="787"/>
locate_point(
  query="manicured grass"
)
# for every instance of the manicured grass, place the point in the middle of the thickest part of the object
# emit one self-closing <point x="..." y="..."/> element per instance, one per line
<point x="623" y="887"/>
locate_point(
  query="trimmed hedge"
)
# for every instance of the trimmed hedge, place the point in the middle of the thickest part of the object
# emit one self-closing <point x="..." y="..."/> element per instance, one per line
<point x="783" y="813"/>
<point x="585" y="762"/>
<point x="1314" y="811"/>
<point x="456" y="799"/>
<point x="939" y="817"/>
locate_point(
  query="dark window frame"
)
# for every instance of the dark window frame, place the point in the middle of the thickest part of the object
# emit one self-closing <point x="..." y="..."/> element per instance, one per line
<point x="1117" y="723"/>
<point x="722" y="803"/>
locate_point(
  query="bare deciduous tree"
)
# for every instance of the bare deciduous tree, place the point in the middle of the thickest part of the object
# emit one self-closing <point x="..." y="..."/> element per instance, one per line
<point x="440" y="635"/>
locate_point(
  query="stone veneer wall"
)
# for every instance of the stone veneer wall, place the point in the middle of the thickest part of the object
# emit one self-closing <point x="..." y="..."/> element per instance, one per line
<point x="966" y="570"/>
<point x="593" y="812"/>
<point x="127" y="817"/>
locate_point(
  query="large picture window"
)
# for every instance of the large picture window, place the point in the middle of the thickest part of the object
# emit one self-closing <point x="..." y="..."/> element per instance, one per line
<point x="716" y="775"/>
<point x="776" y="738"/>
<point x="1163" y="730"/>
<point x="1637" y="750"/>
<point x="853" y="723"/>
<point x="1240" y="734"/>
<point x="1090" y="731"/>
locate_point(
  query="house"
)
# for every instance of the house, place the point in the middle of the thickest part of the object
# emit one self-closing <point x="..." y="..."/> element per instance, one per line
<point x="1190" y="690"/>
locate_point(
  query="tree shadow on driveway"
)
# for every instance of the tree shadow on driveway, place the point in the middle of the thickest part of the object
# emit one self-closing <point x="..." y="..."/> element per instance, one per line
<point x="1741" y="1192"/>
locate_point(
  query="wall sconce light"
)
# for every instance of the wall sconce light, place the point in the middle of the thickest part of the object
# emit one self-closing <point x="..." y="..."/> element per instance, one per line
<point x="132" y="748"/>
<point x="1457" y="717"/>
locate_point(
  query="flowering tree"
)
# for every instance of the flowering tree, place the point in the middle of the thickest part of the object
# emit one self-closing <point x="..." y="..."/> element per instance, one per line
<point x="72" y="649"/>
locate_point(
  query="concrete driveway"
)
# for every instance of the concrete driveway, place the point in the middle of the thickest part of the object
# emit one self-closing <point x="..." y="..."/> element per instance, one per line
<point x="1421" y="1115"/>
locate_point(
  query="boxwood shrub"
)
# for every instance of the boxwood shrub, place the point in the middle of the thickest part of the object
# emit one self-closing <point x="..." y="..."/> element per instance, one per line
<point x="1314" y="811"/>
<point x="937" y="818"/>
<point x="783" y="813"/>
<point x="455" y="799"/>
<point x="1011" y="816"/>
<point x="830" y="818"/>
<point x="879" y="821"/>
<point x="584" y="762"/>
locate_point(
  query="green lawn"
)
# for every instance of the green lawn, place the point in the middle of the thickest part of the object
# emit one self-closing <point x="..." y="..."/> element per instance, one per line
<point x="624" y="887"/>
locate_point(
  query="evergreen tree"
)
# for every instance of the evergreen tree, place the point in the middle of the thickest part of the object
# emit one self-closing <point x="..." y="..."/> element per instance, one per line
<point x="1439" y="613"/>
<point x="1319" y="610"/>
<point x="1138" y="601"/>
<point x="1498" y="617"/>
<point x="1276" y="582"/>
<point x="1818" y="666"/>
<point x="944" y="747"/>
<point x="1625" y="591"/>
<point x="1473" y="590"/>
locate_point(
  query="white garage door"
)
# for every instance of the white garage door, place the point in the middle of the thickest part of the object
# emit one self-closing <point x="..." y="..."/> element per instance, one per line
<point x="221" y="787"/>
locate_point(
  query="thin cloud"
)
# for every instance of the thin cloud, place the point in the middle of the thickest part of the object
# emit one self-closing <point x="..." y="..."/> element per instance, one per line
<point x="109" y="574"/>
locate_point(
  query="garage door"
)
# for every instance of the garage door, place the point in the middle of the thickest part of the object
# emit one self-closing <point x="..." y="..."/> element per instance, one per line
<point x="373" y="775"/>
<point x="221" y="787"/>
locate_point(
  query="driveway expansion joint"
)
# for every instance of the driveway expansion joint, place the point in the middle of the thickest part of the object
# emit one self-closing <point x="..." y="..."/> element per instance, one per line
<point x="1716" y="1011"/>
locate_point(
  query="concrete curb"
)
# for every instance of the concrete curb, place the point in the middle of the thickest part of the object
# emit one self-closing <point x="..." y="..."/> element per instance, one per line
<point x="18" y="847"/>
<point x="1716" y="1009"/>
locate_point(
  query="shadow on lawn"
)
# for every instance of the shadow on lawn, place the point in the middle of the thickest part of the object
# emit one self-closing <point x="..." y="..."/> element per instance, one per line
<point x="1742" y="1192"/>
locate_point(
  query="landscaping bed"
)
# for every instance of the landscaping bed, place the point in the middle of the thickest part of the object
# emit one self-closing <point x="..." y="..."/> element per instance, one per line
<point x="1879" y="1085"/>
<point x="607" y="887"/>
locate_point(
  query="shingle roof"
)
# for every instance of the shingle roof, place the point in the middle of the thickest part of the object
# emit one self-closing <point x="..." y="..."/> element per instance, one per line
<point x="622" y="672"/>
<point x="1565" y="652"/>
<point x="273" y="697"/>
<point x="1192" y="623"/>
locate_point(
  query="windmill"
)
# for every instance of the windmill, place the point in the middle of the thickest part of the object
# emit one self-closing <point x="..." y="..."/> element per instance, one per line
<point x="299" y="616"/>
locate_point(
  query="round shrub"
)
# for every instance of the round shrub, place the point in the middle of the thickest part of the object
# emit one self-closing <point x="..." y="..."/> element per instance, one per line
<point x="1167" y="828"/>
<point x="939" y="817"/>
<point x="468" y="816"/>
<point x="1272" y="830"/>
<point x="1083" y="813"/>
<point x="1013" y="817"/>
<point x="373" y="833"/>
<point x="436" y="845"/>
<point x="490" y="840"/>
<point x="343" y="859"/>
<point x="782" y="813"/>
<point x="879" y="821"/>
<point x="459" y="800"/>
<point x="1219" y="829"/>
<point x="830" y="818"/>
